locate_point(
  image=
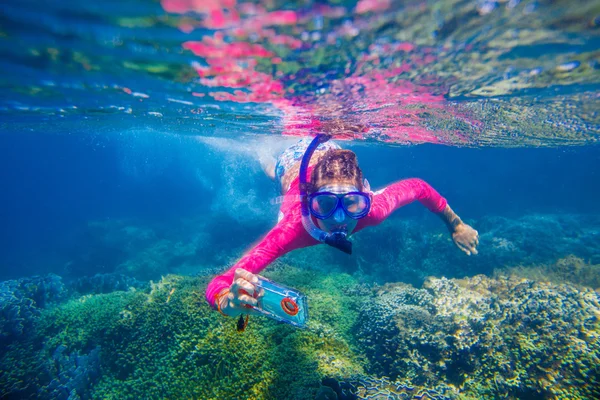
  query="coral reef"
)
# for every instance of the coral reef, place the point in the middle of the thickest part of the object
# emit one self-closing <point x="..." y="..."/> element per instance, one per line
<point x="486" y="337"/>
<point x="165" y="342"/>
<point x="143" y="251"/>
<point x="105" y="283"/>
<point x="406" y="249"/>
<point x="32" y="369"/>
<point x="364" y="387"/>
<point x="21" y="301"/>
<point x="31" y="364"/>
<point x="74" y="375"/>
<point x="410" y="250"/>
<point x="195" y="352"/>
<point x="368" y="387"/>
<point x="570" y="269"/>
<point x="478" y="337"/>
<point x="155" y="260"/>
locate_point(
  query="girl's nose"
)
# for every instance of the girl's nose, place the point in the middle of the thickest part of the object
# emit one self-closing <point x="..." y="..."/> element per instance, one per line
<point x="339" y="215"/>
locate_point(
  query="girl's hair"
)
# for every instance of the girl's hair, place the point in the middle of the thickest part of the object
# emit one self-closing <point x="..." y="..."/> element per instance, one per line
<point x="336" y="166"/>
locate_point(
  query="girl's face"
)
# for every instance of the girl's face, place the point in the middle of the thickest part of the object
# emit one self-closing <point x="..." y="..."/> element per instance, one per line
<point x="339" y="221"/>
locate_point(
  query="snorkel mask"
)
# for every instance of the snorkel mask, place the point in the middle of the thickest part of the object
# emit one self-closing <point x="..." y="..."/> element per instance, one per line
<point x="339" y="238"/>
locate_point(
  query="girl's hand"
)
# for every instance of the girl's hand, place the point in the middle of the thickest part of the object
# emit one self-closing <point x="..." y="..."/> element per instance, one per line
<point x="466" y="238"/>
<point x="240" y="296"/>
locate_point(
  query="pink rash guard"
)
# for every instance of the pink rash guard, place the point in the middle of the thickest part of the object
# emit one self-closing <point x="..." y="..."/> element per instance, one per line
<point x="289" y="233"/>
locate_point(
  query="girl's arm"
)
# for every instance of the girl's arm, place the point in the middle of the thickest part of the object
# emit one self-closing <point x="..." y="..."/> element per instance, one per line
<point x="401" y="193"/>
<point x="286" y="236"/>
<point x="406" y="191"/>
<point x="464" y="236"/>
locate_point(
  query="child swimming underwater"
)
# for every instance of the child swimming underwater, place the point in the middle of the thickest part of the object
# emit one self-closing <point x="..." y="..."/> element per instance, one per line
<point x="335" y="203"/>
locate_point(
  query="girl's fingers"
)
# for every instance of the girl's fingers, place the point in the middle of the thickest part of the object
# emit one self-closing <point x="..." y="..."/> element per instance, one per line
<point x="242" y="273"/>
<point x="230" y="299"/>
<point x="245" y="299"/>
<point x="468" y="242"/>
<point x="242" y="284"/>
<point x="472" y="245"/>
<point x="463" y="248"/>
<point x="462" y="245"/>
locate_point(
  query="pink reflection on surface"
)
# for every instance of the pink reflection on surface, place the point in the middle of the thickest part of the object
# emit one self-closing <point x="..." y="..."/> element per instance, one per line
<point x="217" y="49"/>
<point x="219" y="13"/>
<point x="371" y="101"/>
<point x="200" y="6"/>
<point x="365" y="6"/>
<point x="232" y="65"/>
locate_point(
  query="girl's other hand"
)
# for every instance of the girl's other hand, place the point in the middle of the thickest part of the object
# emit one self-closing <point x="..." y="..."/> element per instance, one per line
<point x="466" y="238"/>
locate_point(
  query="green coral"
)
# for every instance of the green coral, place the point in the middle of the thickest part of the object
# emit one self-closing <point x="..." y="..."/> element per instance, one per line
<point x="480" y="337"/>
<point x="83" y="322"/>
<point x="502" y="337"/>
<point x="569" y="269"/>
<point x="175" y="339"/>
<point x="165" y="342"/>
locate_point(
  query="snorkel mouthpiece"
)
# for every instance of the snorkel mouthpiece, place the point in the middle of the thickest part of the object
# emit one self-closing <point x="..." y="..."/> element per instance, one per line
<point x="335" y="239"/>
<point x="339" y="241"/>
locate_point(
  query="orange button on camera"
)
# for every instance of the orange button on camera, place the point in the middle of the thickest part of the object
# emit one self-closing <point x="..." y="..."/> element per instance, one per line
<point x="289" y="306"/>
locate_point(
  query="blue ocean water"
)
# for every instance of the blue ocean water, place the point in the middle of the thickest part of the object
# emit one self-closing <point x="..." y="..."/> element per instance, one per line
<point x="55" y="184"/>
<point x="130" y="138"/>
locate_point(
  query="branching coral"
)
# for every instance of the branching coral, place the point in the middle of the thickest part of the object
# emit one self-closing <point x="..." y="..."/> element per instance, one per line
<point x="371" y="388"/>
<point x="479" y="337"/>
<point x="164" y="341"/>
<point x="21" y="301"/>
<point x="570" y="269"/>
<point x="489" y="337"/>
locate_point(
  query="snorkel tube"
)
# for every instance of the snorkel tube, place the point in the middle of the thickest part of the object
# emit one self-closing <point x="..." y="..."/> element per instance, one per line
<point x="334" y="239"/>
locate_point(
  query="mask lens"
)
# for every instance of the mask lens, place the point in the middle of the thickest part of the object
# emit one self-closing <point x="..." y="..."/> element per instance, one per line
<point x="323" y="205"/>
<point x="355" y="204"/>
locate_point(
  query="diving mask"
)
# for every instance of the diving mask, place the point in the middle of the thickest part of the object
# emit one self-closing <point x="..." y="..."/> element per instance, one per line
<point x="324" y="204"/>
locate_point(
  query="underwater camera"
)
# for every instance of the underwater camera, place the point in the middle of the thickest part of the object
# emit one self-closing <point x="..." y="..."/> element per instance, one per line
<point x="281" y="303"/>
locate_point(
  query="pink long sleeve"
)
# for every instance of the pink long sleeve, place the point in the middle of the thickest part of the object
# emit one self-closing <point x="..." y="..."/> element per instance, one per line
<point x="289" y="234"/>
<point x="399" y="194"/>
